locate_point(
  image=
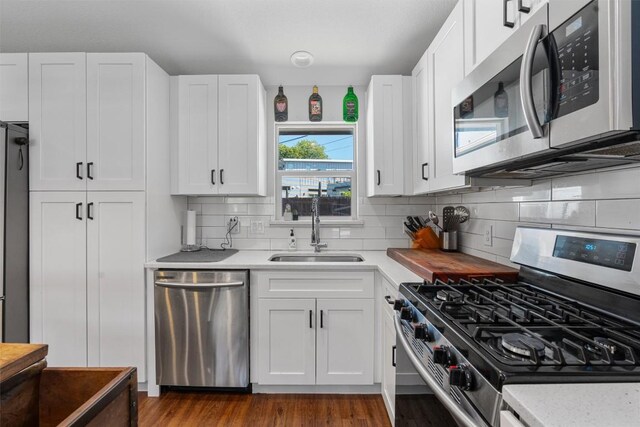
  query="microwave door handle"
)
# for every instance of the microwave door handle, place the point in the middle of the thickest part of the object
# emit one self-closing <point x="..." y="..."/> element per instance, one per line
<point x="526" y="83"/>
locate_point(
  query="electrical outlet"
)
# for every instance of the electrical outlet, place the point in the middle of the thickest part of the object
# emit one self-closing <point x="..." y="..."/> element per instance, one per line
<point x="257" y="227"/>
<point x="234" y="225"/>
<point x="488" y="235"/>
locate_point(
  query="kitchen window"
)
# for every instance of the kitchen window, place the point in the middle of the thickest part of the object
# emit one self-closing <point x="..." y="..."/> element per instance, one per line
<point x="316" y="161"/>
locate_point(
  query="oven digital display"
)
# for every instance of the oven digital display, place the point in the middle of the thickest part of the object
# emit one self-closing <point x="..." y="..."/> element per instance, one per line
<point x="606" y="253"/>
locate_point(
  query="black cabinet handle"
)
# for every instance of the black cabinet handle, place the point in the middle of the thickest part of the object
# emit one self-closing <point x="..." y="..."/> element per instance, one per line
<point x="79" y="170"/>
<point x="389" y="300"/>
<point x="378" y="171"/>
<point x="393" y="356"/>
<point x="321" y="319"/>
<point x="90" y="170"/>
<point x="79" y="211"/>
<point x="522" y="8"/>
<point x="311" y="319"/>
<point x="221" y="177"/>
<point x="505" y="21"/>
<point x="213" y="176"/>
<point x="90" y="211"/>
<point x="425" y="176"/>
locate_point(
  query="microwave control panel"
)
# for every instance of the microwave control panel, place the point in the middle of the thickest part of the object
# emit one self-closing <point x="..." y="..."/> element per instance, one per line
<point x="577" y="59"/>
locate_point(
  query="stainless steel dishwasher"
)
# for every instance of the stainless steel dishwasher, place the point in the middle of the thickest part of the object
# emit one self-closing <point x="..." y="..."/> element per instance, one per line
<point x="202" y="328"/>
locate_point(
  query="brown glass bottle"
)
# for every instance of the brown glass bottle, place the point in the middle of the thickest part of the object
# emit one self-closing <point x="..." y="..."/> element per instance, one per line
<point x="281" y="106"/>
<point x="315" y="106"/>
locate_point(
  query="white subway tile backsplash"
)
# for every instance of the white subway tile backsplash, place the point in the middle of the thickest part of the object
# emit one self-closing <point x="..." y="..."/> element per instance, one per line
<point x="577" y="213"/>
<point x="618" y="213"/>
<point x="604" y="201"/>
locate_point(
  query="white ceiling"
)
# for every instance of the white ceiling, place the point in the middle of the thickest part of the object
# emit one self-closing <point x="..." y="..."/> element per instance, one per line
<point x="350" y="39"/>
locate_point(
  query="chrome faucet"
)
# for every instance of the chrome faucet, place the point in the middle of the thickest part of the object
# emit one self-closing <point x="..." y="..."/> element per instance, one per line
<point x="315" y="226"/>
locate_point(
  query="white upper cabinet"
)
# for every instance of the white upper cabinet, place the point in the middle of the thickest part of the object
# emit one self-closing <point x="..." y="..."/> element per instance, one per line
<point x="57" y="290"/>
<point x="488" y="23"/>
<point x="445" y="65"/>
<point x="115" y="121"/>
<point x="385" y="136"/>
<point x="198" y="134"/>
<point x="221" y="135"/>
<point x="57" y="121"/>
<point x="420" y="79"/>
<point x="14" y="87"/>
<point x="241" y="135"/>
<point x="115" y="279"/>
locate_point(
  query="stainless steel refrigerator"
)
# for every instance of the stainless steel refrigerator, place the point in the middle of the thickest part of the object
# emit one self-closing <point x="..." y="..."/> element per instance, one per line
<point x="14" y="233"/>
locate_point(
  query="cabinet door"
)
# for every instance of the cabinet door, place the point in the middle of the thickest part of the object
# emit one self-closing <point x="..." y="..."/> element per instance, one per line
<point x="58" y="298"/>
<point x="198" y="135"/>
<point x="529" y="7"/>
<point x="115" y="279"/>
<point x="388" y="361"/>
<point x="14" y="87"/>
<point x="420" y="80"/>
<point x="385" y="144"/>
<point x="241" y="137"/>
<point x="446" y="71"/>
<point x="57" y="121"/>
<point x="115" y="121"/>
<point x="345" y="341"/>
<point x="485" y="29"/>
<point x="287" y="341"/>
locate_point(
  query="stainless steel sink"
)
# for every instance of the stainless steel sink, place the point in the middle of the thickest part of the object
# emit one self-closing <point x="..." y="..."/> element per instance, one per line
<point x="316" y="258"/>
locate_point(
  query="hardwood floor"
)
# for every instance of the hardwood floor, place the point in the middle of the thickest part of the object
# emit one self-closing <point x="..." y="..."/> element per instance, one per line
<point x="216" y="409"/>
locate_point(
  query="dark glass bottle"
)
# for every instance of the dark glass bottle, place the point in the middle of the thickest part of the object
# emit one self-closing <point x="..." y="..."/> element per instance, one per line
<point x="466" y="108"/>
<point x="315" y="106"/>
<point x="281" y="106"/>
<point x="501" y="102"/>
<point x="350" y="106"/>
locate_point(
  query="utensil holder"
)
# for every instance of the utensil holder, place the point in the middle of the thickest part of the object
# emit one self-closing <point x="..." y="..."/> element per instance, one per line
<point x="449" y="241"/>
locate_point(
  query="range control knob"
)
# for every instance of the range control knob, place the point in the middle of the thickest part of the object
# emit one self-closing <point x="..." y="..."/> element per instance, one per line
<point x="406" y="313"/>
<point x="460" y="376"/>
<point x="421" y="332"/>
<point x="398" y="304"/>
<point x="442" y="356"/>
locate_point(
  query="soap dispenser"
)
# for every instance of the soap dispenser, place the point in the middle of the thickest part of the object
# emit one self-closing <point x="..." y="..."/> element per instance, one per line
<point x="292" y="241"/>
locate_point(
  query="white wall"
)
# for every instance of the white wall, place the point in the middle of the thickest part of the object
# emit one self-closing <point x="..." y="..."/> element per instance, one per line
<point x="606" y="201"/>
<point x="382" y="216"/>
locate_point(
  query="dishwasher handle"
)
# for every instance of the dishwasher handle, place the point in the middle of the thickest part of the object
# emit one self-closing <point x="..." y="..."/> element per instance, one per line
<point x="178" y="285"/>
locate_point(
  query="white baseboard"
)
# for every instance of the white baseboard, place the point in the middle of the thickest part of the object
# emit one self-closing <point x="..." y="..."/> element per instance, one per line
<point x="317" y="389"/>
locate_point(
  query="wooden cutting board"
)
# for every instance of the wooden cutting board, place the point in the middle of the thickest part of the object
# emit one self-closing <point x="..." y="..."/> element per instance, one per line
<point x="432" y="264"/>
<point x="16" y="357"/>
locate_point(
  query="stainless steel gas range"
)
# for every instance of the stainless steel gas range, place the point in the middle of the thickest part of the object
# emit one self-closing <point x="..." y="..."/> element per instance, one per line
<point x="573" y="316"/>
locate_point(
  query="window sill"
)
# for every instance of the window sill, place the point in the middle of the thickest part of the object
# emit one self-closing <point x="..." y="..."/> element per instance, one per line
<point x="323" y="223"/>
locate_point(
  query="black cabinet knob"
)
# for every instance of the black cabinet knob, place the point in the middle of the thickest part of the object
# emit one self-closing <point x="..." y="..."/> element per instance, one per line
<point x="461" y="376"/>
<point x="406" y="313"/>
<point x="421" y="332"/>
<point x="442" y="356"/>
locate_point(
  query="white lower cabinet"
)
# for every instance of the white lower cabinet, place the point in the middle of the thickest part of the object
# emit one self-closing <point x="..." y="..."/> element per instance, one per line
<point x="87" y="278"/>
<point x="388" y="361"/>
<point x="287" y="341"/>
<point x="305" y="333"/>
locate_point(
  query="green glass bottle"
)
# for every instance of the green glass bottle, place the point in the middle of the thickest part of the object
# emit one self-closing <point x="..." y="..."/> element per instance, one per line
<point x="350" y="106"/>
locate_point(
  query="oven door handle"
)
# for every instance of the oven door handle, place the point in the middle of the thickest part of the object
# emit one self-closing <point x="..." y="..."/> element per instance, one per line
<point x="526" y="83"/>
<point x="461" y="417"/>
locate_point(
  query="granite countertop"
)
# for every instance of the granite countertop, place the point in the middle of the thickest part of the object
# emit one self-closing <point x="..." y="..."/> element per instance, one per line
<point x="579" y="405"/>
<point x="259" y="260"/>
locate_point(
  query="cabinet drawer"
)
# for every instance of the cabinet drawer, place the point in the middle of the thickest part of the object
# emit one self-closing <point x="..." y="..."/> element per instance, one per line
<point x="313" y="284"/>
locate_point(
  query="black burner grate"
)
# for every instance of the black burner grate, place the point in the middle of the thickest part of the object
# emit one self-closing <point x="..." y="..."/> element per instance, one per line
<point x="572" y="334"/>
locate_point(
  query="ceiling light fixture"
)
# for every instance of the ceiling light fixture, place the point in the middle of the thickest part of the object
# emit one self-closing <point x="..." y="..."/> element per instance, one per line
<point x="302" y="59"/>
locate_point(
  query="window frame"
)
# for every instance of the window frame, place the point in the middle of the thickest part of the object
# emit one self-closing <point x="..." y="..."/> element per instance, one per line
<point x="352" y="174"/>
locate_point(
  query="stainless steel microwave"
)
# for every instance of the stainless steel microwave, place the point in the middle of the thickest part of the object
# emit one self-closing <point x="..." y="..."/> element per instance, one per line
<point x="561" y="95"/>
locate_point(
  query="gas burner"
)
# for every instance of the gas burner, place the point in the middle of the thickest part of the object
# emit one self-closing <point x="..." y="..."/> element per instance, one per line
<point x="522" y="344"/>
<point x="444" y="295"/>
